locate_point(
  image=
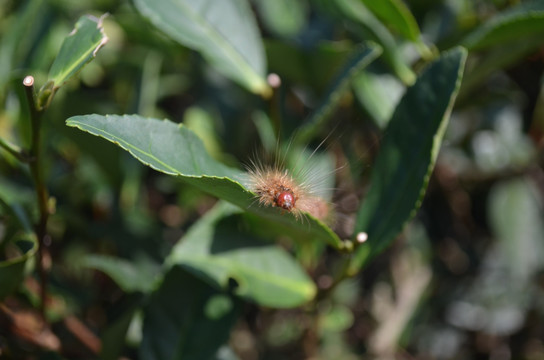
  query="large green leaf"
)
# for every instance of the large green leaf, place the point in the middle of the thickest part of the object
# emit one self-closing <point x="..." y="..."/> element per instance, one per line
<point x="408" y="153"/>
<point x="224" y="32"/>
<point x="77" y="49"/>
<point x="219" y="248"/>
<point x="186" y="319"/>
<point x="173" y="149"/>
<point x="363" y="55"/>
<point x="12" y="270"/>
<point x="524" y="20"/>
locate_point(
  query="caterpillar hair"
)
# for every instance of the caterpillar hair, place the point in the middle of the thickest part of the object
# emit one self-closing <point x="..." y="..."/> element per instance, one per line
<point x="297" y="190"/>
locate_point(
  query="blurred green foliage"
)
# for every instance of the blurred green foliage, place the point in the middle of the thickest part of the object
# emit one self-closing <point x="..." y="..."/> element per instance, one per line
<point x="144" y="265"/>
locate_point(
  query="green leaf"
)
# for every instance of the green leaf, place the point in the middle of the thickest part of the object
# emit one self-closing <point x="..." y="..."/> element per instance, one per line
<point x="357" y="12"/>
<point x="220" y="247"/>
<point x="284" y="330"/>
<point x="524" y="20"/>
<point x="265" y="129"/>
<point x="407" y="155"/>
<point x="14" y="199"/>
<point x="17" y="43"/>
<point x="225" y="353"/>
<point x="360" y="58"/>
<point x="12" y="270"/>
<point x="497" y="58"/>
<point x="77" y="49"/>
<point x="130" y="276"/>
<point x="395" y="14"/>
<point x="379" y="94"/>
<point x="312" y="67"/>
<point x="224" y="32"/>
<point x="114" y="336"/>
<point x="283" y="17"/>
<point x="337" y="318"/>
<point x="175" y="150"/>
<point x="201" y="122"/>
<point x="175" y="322"/>
<point x="515" y="216"/>
<point x="18" y="243"/>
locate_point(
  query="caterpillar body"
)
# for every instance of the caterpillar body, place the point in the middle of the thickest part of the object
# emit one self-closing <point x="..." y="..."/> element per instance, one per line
<point x="291" y="191"/>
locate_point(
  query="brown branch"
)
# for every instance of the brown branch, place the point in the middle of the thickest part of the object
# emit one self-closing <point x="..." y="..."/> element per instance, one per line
<point x="83" y="334"/>
<point x="41" y="190"/>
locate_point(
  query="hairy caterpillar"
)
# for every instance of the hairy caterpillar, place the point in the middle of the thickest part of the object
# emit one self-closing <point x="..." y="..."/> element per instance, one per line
<point x="296" y="191"/>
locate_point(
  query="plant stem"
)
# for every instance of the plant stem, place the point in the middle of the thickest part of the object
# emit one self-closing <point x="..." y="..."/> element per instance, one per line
<point x="41" y="190"/>
<point x="14" y="150"/>
<point x="345" y="270"/>
<point x="341" y="275"/>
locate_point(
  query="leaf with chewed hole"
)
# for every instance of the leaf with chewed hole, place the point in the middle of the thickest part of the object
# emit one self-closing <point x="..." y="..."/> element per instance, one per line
<point x="221" y="247"/>
<point x="77" y="49"/>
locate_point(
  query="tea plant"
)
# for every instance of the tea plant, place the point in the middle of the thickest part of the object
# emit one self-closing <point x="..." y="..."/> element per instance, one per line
<point x="179" y="256"/>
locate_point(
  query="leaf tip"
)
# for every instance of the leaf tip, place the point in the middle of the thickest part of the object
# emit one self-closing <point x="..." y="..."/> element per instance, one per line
<point x="100" y="27"/>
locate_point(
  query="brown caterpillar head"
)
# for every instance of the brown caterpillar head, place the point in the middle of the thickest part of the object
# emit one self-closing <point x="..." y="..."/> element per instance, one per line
<point x="285" y="200"/>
